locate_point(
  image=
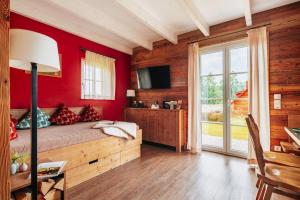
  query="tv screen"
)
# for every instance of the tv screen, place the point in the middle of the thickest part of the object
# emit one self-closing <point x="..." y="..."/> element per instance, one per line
<point x="157" y="77"/>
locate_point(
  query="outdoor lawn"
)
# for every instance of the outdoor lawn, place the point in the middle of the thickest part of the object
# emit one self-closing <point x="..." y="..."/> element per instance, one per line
<point x="239" y="129"/>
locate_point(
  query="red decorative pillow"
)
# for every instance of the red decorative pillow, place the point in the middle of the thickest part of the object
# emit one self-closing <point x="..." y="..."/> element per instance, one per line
<point x="64" y="116"/>
<point x="15" y="121"/>
<point x="90" y="114"/>
<point x="12" y="129"/>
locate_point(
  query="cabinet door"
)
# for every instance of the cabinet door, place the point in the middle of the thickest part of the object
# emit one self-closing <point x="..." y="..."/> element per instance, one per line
<point x="151" y="121"/>
<point x="160" y="133"/>
<point x="169" y="130"/>
<point x="143" y="121"/>
<point x="140" y="117"/>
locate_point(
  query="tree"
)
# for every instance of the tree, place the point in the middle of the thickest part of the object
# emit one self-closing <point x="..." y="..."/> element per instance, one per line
<point x="212" y="88"/>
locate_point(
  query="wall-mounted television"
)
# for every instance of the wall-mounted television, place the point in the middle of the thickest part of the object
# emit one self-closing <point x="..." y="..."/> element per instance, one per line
<point x="156" y="77"/>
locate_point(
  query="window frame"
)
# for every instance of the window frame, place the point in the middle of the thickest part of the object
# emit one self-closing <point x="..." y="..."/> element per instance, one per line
<point x="93" y="95"/>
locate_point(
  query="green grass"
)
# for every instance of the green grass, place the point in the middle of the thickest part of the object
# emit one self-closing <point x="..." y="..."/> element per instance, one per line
<point x="238" y="132"/>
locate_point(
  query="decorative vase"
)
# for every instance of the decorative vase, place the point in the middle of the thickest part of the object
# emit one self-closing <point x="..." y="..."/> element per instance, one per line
<point x="14" y="168"/>
<point x="23" y="167"/>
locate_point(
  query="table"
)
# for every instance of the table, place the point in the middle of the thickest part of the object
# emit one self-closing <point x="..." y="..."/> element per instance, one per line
<point x="22" y="180"/>
<point x="294" y="135"/>
<point x="19" y="181"/>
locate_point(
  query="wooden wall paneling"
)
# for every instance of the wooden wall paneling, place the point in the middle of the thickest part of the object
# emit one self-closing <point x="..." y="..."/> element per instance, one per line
<point x="284" y="61"/>
<point x="293" y="121"/>
<point x="4" y="101"/>
<point x="284" y="72"/>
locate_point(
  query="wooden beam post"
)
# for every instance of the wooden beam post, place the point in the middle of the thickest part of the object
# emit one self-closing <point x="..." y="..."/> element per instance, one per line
<point x="248" y="13"/>
<point x="149" y="20"/>
<point x="4" y="101"/>
<point x="191" y="10"/>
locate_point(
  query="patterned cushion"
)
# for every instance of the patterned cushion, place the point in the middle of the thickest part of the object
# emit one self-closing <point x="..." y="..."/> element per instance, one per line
<point x="42" y="120"/>
<point x="64" y="116"/>
<point x="12" y="131"/>
<point x="90" y="114"/>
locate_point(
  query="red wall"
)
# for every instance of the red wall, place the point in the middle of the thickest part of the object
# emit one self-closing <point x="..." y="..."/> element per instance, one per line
<point x="53" y="91"/>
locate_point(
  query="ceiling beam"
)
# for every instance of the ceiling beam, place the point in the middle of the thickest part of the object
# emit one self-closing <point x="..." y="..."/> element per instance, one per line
<point x="248" y="13"/>
<point x="96" y="17"/>
<point x="149" y="20"/>
<point x="195" y="16"/>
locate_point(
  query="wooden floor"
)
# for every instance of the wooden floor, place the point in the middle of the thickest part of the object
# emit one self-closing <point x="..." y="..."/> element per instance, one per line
<point x="163" y="174"/>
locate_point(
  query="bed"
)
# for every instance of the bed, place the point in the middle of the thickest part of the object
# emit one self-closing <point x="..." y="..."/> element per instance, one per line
<point x="88" y="152"/>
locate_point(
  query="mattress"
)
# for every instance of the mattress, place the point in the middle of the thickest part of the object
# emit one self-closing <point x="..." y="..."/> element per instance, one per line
<point x="56" y="137"/>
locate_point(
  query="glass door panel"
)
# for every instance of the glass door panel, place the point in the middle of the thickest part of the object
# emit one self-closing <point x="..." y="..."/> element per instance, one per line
<point x="212" y="99"/>
<point x="238" y="98"/>
<point x="224" y="78"/>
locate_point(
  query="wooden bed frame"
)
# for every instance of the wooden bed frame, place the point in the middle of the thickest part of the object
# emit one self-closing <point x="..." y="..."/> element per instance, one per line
<point x="89" y="159"/>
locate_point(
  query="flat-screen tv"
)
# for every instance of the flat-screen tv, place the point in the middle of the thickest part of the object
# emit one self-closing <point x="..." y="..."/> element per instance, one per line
<point x="156" y="77"/>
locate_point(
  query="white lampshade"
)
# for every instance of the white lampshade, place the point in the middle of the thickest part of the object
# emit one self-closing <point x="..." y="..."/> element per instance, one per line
<point x="28" y="47"/>
<point x="130" y="93"/>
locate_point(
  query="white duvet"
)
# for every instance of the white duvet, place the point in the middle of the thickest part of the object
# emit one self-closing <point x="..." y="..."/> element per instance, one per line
<point x="117" y="128"/>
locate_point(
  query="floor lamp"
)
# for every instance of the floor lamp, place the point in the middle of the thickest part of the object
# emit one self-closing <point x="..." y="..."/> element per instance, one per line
<point x="33" y="52"/>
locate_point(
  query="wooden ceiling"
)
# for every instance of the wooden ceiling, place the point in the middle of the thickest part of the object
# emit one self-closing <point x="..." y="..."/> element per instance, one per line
<point x="125" y="24"/>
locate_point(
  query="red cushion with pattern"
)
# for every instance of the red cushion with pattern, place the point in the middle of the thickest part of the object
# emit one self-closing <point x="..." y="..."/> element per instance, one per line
<point x="90" y="114"/>
<point x="12" y="129"/>
<point x="64" y="116"/>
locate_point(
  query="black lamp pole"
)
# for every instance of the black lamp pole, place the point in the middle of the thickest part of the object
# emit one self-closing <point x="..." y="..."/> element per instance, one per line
<point x="34" y="181"/>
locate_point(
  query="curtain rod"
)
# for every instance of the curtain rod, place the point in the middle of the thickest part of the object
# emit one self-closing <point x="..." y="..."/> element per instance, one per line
<point x="83" y="49"/>
<point x="231" y="33"/>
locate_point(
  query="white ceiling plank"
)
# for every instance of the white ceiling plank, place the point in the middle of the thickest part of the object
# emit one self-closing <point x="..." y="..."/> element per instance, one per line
<point x="107" y="22"/>
<point x="195" y="16"/>
<point x="149" y="20"/>
<point x="96" y="17"/>
<point x="248" y="13"/>
<point x="35" y="12"/>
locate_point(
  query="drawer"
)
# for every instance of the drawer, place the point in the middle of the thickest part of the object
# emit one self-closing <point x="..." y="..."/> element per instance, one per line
<point x="111" y="146"/>
<point x="130" y="154"/>
<point x="82" y="153"/>
<point x="81" y="173"/>
<point x="92" y="169"/>
<point x="127" y="144"/>
<point x="115" y="160"/>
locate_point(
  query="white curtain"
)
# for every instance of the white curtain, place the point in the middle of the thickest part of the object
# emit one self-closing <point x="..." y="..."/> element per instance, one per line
<point x="101" y="70"/>
<point x="194" y="129"/>
<point x="259" y="86"/>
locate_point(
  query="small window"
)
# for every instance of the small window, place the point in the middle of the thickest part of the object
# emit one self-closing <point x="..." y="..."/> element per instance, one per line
<point x="97" y="77"/>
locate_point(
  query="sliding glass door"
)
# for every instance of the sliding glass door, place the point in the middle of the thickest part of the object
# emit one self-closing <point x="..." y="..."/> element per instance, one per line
<point x="224" y="98"/>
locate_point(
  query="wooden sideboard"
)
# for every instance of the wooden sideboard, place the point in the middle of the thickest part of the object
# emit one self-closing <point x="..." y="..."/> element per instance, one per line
<point x="160" y="126"/>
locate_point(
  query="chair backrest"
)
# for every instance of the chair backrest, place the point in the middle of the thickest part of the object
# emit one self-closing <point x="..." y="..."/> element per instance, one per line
<point x="254" y="133"/>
